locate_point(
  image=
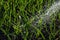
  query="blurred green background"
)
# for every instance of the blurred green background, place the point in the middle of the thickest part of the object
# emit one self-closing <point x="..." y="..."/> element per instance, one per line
<point x="16" y="20"/>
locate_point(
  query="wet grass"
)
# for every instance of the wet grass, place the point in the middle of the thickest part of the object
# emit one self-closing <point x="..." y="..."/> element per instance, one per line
<point x="16" y="17"/>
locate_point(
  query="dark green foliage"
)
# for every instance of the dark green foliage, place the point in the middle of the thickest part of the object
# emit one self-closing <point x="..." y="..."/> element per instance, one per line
<point x="16" y="17"/>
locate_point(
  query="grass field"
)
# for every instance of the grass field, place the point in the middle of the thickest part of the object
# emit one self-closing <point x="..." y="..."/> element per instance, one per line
<point x="16" y="17"/>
